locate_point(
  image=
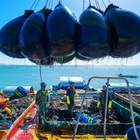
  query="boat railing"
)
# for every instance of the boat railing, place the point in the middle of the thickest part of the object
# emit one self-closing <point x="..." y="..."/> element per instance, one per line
<point x="105" y="118"/>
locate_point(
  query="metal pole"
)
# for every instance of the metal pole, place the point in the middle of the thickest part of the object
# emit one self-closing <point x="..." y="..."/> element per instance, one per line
<point x="106" y="108"/>
<point x="130" y="99"/>
<point x="76" y="127"/>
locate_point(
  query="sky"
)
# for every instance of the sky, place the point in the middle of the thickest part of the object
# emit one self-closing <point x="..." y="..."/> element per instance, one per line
<point x="10" y="9"/>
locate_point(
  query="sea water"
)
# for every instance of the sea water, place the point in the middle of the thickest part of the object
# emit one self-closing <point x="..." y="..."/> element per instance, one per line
<point x="32" y="75"/>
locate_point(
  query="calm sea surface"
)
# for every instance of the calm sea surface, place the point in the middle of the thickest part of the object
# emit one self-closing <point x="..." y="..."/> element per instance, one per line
<point x="25" y="75"/>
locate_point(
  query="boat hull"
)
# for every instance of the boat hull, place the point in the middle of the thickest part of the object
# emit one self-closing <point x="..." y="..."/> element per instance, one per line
<point x="128" y="76"/>
<point x="30" y="112"/>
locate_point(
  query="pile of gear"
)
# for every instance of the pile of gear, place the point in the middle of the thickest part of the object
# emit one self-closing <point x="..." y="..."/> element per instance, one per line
<point x="11" y="108"/>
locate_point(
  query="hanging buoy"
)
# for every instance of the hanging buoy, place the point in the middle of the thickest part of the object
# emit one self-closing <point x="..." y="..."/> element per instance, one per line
<point x="61" y="28"/>
<point x="32" y="37"/>
<point x="94" y="35"/>
<point x="125" y="31"/>
<point x="9" y="34"/>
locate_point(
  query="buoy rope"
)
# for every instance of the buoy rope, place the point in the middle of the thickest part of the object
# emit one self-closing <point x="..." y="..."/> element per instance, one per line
<point x="97" y="4"/>
<point x="33" y="4"/>
<point x="83" y="5"/>
<point x="89" y="2"/>
<point x="50" y="3"/>
<point x="40" y="72"/>
<point x="36" y="4"/>
<point x="109" y="1"/>
<point x="104" y="3"/>
<point x="46" y="3"/>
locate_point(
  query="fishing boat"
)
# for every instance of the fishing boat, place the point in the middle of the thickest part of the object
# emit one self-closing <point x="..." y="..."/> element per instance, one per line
<point x="23" y="124"/>
<point x="58" y="126"/>
<point x="121" y="87"/>
<point x="18" y="106"/>
<point x="128" y="76"/>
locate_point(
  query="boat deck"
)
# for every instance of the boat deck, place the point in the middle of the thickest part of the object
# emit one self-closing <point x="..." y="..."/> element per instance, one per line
<point x="30" y="129"/>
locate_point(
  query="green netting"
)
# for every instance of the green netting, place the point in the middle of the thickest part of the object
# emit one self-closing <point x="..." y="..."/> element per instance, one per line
<point x="126" y="113"/>
<point x="125" y="102"/>
<point x="55" y="120"/>
<point x="63" y="125"/>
